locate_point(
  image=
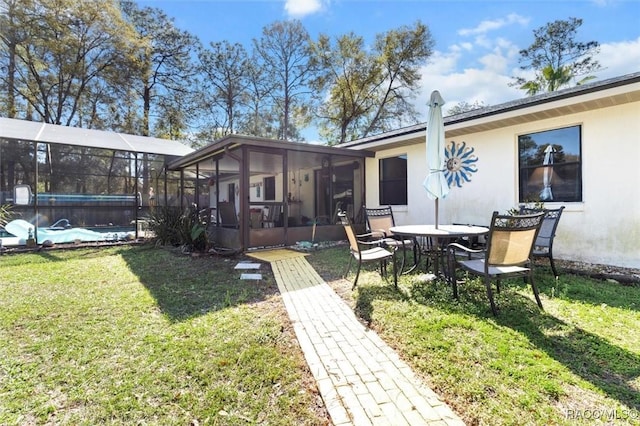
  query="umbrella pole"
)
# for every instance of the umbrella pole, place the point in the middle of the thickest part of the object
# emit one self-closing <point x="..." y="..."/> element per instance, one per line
<point x="437" y="213"/>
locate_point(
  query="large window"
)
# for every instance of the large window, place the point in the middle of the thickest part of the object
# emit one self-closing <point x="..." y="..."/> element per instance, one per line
<point x="550" y="164"/>
<point x="393" y="180"/>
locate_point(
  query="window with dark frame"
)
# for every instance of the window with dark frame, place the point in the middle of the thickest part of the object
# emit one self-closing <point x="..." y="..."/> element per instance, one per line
<point x="550" y="165"/>
<point x="270" y="188"/>
<point x="393" y="180"/>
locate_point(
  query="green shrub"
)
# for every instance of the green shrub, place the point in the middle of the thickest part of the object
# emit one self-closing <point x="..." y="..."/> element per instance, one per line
<point x="533" y="204"/>
<point x="175" y="227"/>
<point x="164" y="222"/>
<point x="193" y="231"/>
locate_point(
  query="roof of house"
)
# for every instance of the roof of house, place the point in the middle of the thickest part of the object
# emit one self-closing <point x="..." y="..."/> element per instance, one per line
<point x="231" y="142"/>
<point x="599" y="94"/>
<point x="23" y="130"/>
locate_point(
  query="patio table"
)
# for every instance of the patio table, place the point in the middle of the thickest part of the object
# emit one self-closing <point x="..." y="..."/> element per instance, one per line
<point x="442" y="232"/>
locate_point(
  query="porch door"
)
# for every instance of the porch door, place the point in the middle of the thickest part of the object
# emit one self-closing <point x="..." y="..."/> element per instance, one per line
<point x="267" y="206"/>
<point x="335" y="192"/>
<point x="323" y="196"/>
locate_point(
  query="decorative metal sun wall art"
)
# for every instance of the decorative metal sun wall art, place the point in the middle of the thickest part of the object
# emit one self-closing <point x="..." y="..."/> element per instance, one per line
<point x="460" y="163"/>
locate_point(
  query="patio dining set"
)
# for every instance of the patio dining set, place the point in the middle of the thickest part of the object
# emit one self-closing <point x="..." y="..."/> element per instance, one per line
<point x="505" y="248"/>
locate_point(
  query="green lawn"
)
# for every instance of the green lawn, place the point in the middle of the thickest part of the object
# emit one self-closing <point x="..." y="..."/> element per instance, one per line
<point x="137" y="335"/>
<point x="134" y="335"/>
<point x="577" y="360"/>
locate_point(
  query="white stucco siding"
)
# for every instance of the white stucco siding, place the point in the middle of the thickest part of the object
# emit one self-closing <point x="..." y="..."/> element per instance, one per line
<point x="493" y="187"/>
<point x="416" y="161"/>
<point x="603" y="228"/>
<point x="607" y="227"/>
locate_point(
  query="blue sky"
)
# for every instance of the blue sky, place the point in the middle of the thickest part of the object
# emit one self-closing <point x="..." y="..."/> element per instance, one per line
<point x="476" y="42"/>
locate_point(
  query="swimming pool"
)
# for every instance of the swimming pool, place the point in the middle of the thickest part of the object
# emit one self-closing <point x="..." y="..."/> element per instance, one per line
<point x="18" y="231"/>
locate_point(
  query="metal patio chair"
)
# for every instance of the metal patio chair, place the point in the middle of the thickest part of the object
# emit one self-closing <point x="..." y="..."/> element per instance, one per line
<point x="508" y="253"/>
<point x="374" y="253"/>
<point x="543" y="246"/>
<point x="379" y="220"/>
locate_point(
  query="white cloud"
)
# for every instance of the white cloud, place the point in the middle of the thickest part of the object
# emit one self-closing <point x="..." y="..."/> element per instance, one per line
<point x="494" y="62"/>
<point x="488" y="55"/>
<point x="442" y="63"/>
<point x="485" y="78"/>
<point x="492" y="25"/>
<point x="488" y="82"/>
<point x="619" y="58"/>
<point x="508" y="45"/>
<point x="301" y="8"/>
<point x="483" y="41"/>
<point x="476" y="85"/>
<point x="501" y="58"/>
<point x="467" y="46"/>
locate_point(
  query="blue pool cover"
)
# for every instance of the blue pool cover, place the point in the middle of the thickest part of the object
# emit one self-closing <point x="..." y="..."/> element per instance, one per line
<point x="21" y="229"/>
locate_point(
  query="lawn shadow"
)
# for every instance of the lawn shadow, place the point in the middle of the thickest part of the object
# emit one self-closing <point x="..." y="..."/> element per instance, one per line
<point x="608" y="367"/>
<point x="368" y="293"/>
<point x="186" y="287"/>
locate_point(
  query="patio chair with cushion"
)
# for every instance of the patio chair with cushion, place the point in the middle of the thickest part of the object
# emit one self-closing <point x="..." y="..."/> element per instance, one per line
<point x="543" y="246"/>
<point x="374" y="253"/>
<point x="379" y="220"/>
<point x="508" y="253"/>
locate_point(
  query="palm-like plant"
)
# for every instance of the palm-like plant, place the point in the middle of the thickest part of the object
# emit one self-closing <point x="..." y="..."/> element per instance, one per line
<point x="172" y="226"/>
<point x="548" y="80"/>
<point x="557" y="58"/>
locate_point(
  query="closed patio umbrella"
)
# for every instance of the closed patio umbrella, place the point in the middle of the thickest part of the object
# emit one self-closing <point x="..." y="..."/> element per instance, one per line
<point x="435" y="182"/>
<point x="547" y="175"/>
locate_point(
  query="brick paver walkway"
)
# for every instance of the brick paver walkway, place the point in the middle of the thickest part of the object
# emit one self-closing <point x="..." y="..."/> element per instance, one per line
<point x="361" y="379"/>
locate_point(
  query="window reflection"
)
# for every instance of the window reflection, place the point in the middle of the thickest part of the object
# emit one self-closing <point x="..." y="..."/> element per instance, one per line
<point x="550" y="165"/>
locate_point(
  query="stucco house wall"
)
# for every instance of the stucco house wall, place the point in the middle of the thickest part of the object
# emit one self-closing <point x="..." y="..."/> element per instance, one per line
<point x="604" y="228"/>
